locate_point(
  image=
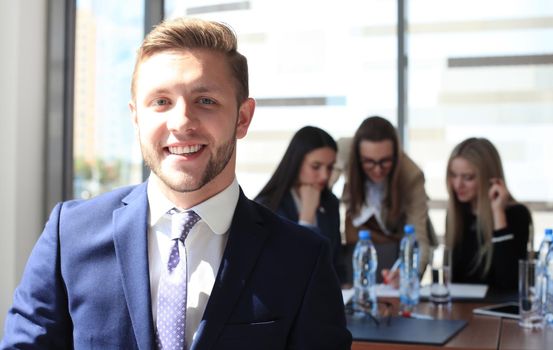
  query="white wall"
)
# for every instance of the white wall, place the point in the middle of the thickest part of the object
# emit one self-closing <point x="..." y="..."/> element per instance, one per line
<point x="22" y="114"/>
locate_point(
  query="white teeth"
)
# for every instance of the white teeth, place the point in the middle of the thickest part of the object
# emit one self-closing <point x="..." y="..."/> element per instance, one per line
<point x="184" y="149"/>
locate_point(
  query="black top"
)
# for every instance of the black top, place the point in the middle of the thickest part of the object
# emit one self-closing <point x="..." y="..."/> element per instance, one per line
<point x="509" y="245"/>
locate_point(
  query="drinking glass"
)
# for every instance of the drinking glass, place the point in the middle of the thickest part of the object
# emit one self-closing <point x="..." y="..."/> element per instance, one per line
<point x="440" y="265"/>
<point x="528" y="297"/>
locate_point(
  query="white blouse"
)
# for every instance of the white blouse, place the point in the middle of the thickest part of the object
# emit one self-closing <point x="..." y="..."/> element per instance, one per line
<point x="374" y="194"/>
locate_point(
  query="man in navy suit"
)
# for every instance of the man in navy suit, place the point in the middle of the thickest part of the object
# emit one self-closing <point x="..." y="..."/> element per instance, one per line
<point x="254" y="281"/>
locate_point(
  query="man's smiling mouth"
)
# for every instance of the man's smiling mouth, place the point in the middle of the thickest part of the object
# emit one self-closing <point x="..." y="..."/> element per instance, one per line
<point x="184" y="150"/>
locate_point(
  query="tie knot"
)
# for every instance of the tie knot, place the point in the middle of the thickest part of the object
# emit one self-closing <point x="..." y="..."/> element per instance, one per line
<point x="182" y="223"/>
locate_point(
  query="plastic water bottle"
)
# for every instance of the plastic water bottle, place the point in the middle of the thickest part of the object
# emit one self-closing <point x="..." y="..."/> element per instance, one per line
<point x="409" y="288"/>
<point x="547" y="306"/>
<point x="364" y="275"/>
<point x="541" y="284"/>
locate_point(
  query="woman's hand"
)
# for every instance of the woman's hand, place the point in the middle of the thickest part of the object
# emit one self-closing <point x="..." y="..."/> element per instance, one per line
<point x="391" y="277"/>
<point x="310" y="196"/>
<point x="499" y="197"/>
<point x="498" y="194"/>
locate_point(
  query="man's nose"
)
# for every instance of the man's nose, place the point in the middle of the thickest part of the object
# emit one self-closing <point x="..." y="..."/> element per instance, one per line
<point x="180" y="117"/>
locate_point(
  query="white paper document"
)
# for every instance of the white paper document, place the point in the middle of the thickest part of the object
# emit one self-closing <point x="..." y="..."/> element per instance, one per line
<point x="382" y="291"/>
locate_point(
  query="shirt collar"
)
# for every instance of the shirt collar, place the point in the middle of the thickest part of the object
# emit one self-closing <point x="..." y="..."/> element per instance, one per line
<point x="159" y="204"/>
<point x="216" y="212"/>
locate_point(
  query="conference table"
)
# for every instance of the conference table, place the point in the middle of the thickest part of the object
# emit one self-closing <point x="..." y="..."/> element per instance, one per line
<point x="480" y="332"/>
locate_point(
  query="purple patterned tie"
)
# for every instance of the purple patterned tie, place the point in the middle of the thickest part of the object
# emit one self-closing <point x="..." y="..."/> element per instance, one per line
<point x="171" y="298"/>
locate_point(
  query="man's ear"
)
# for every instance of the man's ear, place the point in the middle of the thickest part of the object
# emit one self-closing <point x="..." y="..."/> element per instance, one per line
<point x="134" y="116"/>
<point x="245" y="115"/>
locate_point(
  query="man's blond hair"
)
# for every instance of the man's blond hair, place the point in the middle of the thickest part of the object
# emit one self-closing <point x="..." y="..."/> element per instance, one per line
<point x="191" y="33"/>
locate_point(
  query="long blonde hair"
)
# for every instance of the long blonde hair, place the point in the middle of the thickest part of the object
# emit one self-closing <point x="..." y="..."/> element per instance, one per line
<point x="483" y="155"/>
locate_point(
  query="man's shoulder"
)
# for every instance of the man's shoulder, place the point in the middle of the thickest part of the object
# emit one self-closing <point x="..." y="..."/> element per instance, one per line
<point x="105" y="201"/>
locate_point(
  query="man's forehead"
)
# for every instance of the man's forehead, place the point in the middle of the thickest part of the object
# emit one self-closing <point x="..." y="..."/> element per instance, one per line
<point x="197" y="69"/>
<point x="200" y="54"/>
<point x="182" y="64"/>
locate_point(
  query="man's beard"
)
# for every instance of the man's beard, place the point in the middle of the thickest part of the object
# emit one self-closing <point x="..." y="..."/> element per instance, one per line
<point x="184" y="182"/>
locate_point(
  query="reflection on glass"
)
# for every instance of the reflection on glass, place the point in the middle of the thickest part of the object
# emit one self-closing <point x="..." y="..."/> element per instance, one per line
<point x="104" y="149"/>
<point x="311" y="62"/>
<point x="485" y="73"/>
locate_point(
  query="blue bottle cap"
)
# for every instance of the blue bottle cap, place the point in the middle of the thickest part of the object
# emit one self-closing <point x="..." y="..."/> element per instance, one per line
<point x="549" y="231"/>
<point x="364" y="234"/>
<point x="409" y="229"/>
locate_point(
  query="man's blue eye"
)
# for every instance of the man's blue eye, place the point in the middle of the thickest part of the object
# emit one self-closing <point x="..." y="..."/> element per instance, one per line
<point x="206" y="101"/>
<point x="161" y="102"/>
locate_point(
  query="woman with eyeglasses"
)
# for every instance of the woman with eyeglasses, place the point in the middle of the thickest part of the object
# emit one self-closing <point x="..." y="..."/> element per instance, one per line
<point x="384" y="192"/>
<point x="299" y="188"/>
<point x="486" y="228"/>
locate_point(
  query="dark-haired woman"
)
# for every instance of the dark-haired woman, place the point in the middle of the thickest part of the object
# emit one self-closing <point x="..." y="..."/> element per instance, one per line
<point x="298" y="189"/>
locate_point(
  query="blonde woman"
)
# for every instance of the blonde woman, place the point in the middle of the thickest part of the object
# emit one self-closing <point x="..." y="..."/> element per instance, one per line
<point x="487" y="229"/>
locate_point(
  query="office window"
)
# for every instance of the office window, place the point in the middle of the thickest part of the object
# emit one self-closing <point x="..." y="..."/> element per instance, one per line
<point x="486" y="73"/>
<point x="311" y="62"/>
<point x="105" y="153"/>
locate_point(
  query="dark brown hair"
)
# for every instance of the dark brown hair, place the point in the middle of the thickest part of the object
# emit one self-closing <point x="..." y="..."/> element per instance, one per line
<point x="373" y="129"/>
<point x="304" y="141"/>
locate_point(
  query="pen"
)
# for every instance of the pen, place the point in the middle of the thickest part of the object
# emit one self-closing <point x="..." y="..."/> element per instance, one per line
<point x="395" y="266"/>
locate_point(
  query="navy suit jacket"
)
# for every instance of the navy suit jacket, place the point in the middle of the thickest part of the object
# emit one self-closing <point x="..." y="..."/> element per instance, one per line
<point x="86" y="284"/>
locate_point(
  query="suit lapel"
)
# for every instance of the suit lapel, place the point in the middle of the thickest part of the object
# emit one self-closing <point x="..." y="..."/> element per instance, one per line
<point x="131" y="247"/>
<point x="245" y="242"/>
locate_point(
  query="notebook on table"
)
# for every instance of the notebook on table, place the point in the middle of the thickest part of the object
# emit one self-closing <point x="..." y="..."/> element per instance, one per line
<point x="405" y="330"/>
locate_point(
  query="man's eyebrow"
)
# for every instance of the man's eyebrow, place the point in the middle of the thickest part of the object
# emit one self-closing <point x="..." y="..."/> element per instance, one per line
<point x="206" y="88"/>
<point x="199" y="89"/>
<point x="158" y="91"/>
<point x="194" y="89"/>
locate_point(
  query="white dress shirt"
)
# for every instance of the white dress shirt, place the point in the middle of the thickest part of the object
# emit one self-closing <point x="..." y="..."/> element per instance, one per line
<point x="205" y="245"/>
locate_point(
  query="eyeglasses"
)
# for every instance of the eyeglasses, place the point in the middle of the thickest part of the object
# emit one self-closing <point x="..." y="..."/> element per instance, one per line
<point x="383" y="163"/>
<point x="366" y="309"/>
